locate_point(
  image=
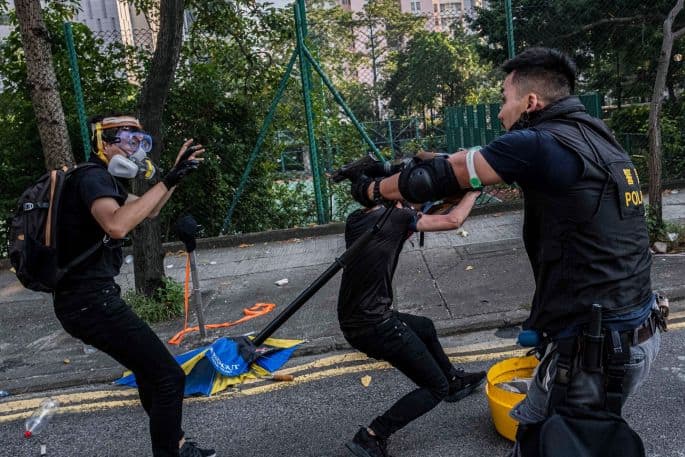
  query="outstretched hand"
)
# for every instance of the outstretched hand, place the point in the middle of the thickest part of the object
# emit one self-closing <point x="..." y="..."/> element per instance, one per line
<point x="189" y="151"/>
<point x="187" y="161"/>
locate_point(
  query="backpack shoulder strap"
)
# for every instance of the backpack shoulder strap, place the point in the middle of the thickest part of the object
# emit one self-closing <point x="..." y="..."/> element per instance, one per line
<point x="91" y="250"/>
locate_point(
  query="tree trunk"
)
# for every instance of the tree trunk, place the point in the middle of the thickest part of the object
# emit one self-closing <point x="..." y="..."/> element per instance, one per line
<point x="42" y="83"/>
<point x="147" y="240"/>
<point x="654" y="130"/>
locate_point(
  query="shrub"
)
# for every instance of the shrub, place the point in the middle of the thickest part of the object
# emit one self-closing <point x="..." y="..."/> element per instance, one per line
<point x="166" y="303"/>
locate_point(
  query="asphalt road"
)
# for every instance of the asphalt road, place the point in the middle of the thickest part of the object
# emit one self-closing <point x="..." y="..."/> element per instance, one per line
<point x="323" y="407"/>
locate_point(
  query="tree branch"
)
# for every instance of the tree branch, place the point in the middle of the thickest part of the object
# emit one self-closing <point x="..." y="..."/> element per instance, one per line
<point x="679" y="33"/>
<point x="611" y="20"/>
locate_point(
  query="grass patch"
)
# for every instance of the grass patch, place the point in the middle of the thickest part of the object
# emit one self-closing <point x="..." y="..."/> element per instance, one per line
<point x="166" y="303"/>
<point x="672" y="234"/>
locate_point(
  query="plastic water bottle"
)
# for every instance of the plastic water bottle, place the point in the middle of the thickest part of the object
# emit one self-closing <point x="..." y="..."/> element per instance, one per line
<point x="40" y="417"/>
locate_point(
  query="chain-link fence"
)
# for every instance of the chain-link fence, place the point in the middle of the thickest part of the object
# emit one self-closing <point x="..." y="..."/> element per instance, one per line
<point x="399" y="73"/>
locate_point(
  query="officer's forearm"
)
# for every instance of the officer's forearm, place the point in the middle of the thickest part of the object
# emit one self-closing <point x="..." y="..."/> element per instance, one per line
<point x="389" y="188"/>
<point x="419" y="190"/>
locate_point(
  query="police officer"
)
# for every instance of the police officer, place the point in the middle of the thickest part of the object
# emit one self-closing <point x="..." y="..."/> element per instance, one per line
<point x="98" y="211"/>
<point x="584" y="222"/>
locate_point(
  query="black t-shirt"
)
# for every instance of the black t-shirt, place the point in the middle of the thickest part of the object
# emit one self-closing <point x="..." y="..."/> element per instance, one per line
<point x="533" y="159"/>
<point x="366" y="288"/>
<point x="78" y="230"/>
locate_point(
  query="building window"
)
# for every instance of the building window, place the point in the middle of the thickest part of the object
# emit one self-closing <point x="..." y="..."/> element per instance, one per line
<point x="435" y="8"/>
<point x="415" y="7"/>
<point x="450" y="8"/>
<point x="345" y="3"/>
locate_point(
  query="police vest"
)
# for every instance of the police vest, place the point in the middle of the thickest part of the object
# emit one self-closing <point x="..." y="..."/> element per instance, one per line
<point x="589" y="243"/>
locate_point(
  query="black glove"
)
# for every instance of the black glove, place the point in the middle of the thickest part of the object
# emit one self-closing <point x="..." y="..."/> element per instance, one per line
<point x="367" y="165"/>
<point x="354" y="170"/>
<point x="384" y="169"/>
<point x="182" y="169"/>
<point x="360" y="191"/>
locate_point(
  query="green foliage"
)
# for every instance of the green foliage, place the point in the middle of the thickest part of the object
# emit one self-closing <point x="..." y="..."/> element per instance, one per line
<point x="105" y="88"/>
<point x="436" y="70"/>
<point x="166" y="303"/>
<point x="673" y="234"/>
<point x="630" y="124"/>
<point x="615" y="44"/>
<point x="344" y="203"/>
<point x="293" y="205"/>
<point x="229" y="87"/>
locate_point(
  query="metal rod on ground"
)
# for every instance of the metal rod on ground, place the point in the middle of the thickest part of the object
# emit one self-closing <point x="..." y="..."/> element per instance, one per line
<point x="321" y="280"/>
<point x="197" y="295"/>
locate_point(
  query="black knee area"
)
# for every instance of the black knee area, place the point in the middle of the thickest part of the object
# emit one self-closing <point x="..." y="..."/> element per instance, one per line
<point x="428" y="181"/>
<point x="172" y="383"/>
<point x="441" y="388"/>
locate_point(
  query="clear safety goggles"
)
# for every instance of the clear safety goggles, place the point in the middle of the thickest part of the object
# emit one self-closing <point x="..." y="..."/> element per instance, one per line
<point x="134" y="141"/>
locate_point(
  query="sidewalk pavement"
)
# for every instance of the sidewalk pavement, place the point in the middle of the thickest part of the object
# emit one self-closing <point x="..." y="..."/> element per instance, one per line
<point x="482" y="280"/>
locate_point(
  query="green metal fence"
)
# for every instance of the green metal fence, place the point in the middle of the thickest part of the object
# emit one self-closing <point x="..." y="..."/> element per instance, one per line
<point x="616" y="46"/>
<point x="475" y="125"/>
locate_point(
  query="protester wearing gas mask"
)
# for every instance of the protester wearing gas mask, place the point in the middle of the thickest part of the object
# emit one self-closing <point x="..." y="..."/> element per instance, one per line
<point x="97" y="210"/>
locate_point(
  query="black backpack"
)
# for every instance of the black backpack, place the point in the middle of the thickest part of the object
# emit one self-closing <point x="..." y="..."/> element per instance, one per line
<point x="32" y="241"/>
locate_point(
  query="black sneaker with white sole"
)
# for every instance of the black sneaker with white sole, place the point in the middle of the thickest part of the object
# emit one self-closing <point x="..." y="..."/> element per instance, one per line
<point x="463" y="383"/>
<point x="190" y="449"/>
<point x="366" y="445"/>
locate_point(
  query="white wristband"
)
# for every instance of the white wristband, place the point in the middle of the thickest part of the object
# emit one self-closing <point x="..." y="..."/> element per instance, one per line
<point x="474" y="180"/>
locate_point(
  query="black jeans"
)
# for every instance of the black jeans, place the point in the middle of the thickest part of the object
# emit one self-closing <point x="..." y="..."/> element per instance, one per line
<point x="101" y="318"/>
<point x="410" y="344"/>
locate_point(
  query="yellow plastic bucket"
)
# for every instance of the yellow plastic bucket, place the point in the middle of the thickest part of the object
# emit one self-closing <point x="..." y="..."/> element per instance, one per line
<point x="502" y="401"/>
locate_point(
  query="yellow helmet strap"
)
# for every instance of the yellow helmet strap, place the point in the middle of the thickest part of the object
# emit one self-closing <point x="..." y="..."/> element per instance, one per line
<point x="100" y="152"/>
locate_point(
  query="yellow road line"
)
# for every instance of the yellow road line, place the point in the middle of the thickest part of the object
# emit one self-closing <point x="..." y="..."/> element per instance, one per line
<point x="80" y="397"/>
<point x="81" y="402"/>
<point x="17" y="410"/>
<point x="67" y="399"/>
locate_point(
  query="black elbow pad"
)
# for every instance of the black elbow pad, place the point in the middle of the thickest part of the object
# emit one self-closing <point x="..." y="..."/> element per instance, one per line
<point x="428" y="181"/>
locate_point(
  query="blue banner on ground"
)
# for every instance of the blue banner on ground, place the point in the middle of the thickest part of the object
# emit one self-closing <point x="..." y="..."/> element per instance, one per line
<point x="227" y="362"/>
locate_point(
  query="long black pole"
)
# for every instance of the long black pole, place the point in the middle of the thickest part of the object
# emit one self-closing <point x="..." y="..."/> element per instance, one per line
<point x="321" y="280"/>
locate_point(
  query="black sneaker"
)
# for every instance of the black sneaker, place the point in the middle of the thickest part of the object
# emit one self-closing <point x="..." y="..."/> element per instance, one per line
<point x="463" y="384"/>
<point x="365" y="445"/>
<point x="190" y="449"/>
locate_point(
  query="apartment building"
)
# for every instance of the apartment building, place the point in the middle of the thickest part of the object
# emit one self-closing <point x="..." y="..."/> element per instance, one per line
<point x="117" y="20"/>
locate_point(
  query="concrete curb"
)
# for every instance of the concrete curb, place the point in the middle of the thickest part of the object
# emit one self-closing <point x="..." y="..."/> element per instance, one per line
<point x="227" y="241"/>
<point x="334" y="228"/>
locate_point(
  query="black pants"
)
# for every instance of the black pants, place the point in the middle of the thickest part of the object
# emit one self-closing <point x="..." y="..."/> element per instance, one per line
<point x="101" y="318"/>
<point x="410" y="344"/>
